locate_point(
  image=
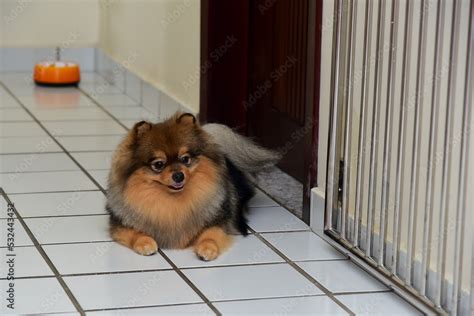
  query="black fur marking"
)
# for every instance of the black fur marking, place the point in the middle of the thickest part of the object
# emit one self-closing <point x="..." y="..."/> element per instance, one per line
<point x="245" y="191"/>
<point x="223" y="216"/>
<point x="178" y="120"/>
<point x="114" y="220"/>
<point x="131" y="169"/>
<point x="138" y="124"/>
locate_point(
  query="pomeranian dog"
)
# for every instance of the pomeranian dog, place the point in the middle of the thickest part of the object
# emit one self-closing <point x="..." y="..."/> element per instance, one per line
<point x="177" y="184"/>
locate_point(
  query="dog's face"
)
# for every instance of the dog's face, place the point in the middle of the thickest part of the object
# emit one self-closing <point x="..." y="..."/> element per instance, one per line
<point x="169" y="153"/>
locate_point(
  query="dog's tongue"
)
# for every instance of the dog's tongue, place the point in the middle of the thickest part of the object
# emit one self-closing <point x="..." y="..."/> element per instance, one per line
<point x="177" y="186"/>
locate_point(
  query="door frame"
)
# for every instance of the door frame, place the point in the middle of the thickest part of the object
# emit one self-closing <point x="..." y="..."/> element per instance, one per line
<point x="224" y="75"/>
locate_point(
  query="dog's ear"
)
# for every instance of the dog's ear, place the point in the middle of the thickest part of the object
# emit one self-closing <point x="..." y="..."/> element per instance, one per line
<point x="140" y="128"/>
<point x="186" y="118"/>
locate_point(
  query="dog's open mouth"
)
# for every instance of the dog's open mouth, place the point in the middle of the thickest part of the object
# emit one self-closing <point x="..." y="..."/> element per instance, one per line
<point x="176" y="187"/>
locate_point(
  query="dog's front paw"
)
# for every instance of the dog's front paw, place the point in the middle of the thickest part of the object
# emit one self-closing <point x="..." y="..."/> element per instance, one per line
<point x="145" y="246"/>
<point x="207" y="250"/>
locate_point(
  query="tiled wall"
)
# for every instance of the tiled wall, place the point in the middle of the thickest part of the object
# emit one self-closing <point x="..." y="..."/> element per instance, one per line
<point x="158" y="102"/>
<point x="94" y="60"/>
<point x="18" y="59"/>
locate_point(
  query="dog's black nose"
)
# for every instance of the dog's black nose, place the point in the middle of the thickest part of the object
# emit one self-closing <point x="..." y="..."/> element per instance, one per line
<point x="178" y="177"/>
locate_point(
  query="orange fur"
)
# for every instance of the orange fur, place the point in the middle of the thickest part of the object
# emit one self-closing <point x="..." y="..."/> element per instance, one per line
<point x="173" y="213"/>
<point x="211" y="243"/>
<point x="168" y="210"/>
<point x="131" y="238"/>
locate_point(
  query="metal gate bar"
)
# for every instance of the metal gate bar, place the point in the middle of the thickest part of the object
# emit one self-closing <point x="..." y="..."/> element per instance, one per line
<point x="401" y="204"/>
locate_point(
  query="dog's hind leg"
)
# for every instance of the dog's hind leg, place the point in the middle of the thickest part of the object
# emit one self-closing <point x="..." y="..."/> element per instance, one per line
<point x="211" y="243"/>
<point x="133" y="239"/>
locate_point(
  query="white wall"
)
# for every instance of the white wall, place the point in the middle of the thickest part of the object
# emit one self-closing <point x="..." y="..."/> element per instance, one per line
<point x="163" y="36"/>
<point x="49" y="23"/>
<point x="324" y="108"/>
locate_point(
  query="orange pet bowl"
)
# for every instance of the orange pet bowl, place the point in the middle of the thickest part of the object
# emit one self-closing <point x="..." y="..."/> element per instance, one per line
<point x="57" y="73"/>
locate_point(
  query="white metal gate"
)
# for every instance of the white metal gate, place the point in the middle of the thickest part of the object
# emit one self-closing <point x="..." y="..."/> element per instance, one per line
<point x="400" y="181"/>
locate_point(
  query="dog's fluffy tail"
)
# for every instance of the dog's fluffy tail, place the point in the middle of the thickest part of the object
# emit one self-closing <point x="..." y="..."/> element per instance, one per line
<point x="242" y="151"/>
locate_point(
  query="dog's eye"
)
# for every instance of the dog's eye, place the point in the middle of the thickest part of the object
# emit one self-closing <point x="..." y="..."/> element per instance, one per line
<point x="157" y="165"/>
<point x="186" y="160"/>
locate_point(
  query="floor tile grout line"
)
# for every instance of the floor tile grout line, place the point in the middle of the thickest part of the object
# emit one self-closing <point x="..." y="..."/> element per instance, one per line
<point x="100" y="106"/>
<point x="53" y="192"/>
<point x="61" y="216"/>
<point x="32" y="153"/>
<point x="61" y="136"/>
<point x="284" y="231"/>
<point x="175" y="268"/>
<point x="56" y="216"/>
<point x="140" y="307"/>
<point x="170" y="268"/>
<point x="216" y="266"/>
<point x="84" y="274"/>
<point x="32" y="277"/>
<point x="39" y="171"/>
<point x="388" y="290"/>
<point x="220" y="301"/>
<point x="90" y="136"/>
<point x="68" y="243"/>
<point x="154" y="117"/>
<point x="190" y="283"/>
<point x="59" y="120"/>
<point x="255" y="264"/>
<point x="296" y="267"/>
<point x="105" y="213"/>
<point x="268" y="298"/>
<point x="44" y="255"/>
<point x="304" y="274"/>
<point x="96" y="183"/>
<point x="15" y="121"/>
<point x="265" y="206"/>
<point x="50" y="171"/>
<point x="54" y="152"/>
<point x="92" y="151"/>
<point x="292" y="296"/>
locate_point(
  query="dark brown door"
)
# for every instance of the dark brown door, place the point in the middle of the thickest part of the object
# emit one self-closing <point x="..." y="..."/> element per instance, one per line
<point x="266" y="83"/>
<point x="276" y="104"/>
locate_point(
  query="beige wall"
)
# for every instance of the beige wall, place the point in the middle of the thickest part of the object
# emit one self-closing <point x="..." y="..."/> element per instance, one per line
<point x="44" y="23"/>
<point x="165" y="38"/>
<point x="161" y="37"/>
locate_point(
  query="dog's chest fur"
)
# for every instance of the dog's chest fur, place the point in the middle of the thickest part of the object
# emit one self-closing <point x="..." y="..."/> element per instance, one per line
<point x="174" y="220"/>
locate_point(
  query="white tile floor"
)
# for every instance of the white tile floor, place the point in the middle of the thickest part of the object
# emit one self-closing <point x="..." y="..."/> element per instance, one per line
<point x="55" y="149"/>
